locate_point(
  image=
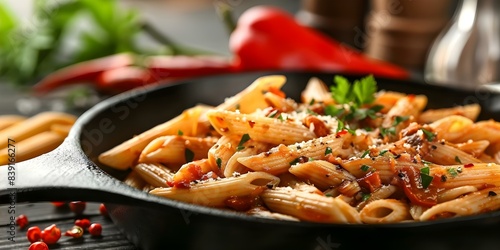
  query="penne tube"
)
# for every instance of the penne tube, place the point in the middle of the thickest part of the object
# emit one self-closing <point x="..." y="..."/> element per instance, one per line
<point x="34" y="125"/>
<point x="251" y="148"/>
<point x="483" y="130"/>
<point x="445" y="154"/>
<point x="194" y="171"/>
<point x="133" y="179"/>
<point x="477" y="175"/>
<point x="9" y="120"/>
<point x="470" y="204"/>
<point x="470" y="111"/>
<point x="385" y="211"/>
<point x="280" y="103"/>
<point x="475" y="148"/>
<point x="321" y="174"/>
<point x="279" y="159"/>
<point x="252" y="98"/>
<point x="31" y="147"/>
<point x="316" y="91"/>
<point x="127" y="153"/>
<point x="154" y="174"/>
<point x="454" y="193"/>
<point x="215" y="193"/>
<point x="452" y="128"/>
<point x="310" y="206"/>
<point x="220" y="153"/>
<point x="259" y="128"/>
<point x="264" y="213"/>
<point x="174" y="149"/>
<point x="62" y="129"/>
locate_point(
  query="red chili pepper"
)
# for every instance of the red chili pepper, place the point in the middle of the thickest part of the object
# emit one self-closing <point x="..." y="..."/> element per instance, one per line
<point x="123" y="79"/>
<point x="268" y="38"/>
<point x="87" y="71"/>
<point x="51" y="234"/>
<point x="22" y="221"/>
<point x="34" y="234"/>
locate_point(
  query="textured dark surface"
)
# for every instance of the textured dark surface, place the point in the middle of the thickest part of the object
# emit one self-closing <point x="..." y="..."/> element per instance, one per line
<point x="45" y="214"/>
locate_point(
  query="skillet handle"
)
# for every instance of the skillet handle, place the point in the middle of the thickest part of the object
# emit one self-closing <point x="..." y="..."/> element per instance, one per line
<point x="64" y="174"/>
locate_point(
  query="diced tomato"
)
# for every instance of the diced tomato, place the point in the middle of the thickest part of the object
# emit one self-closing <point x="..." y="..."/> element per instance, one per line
<point x="371" y="181"/>
<point x="411" y="182"/>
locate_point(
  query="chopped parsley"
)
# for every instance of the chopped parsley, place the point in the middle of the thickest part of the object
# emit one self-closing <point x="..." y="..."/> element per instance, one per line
<point x="295" y="161"/>
<point x="312" y="102"/>
<point x="188" y="155"/>
<point x="457" y="159"/>
<point x="399" y="119"/>
<point x="365" y="167"/>
<point x="273" y="114"/>
<point x="311" y="112"/>
<point x="333" y="111"/>
<point x="428" y="134"/>
<point x="387" y="131"/>
<point x="179" y="132"/>
<point x="365" y="154"/>
<point x="383" y="152"/>
<point x="281" y="118"/>
<point x="328" y="150"/>
<point x="452" y="171"/>
<point x="425" y="177"/>
<point x="219" y="162"/>
<point x="365" y="197"/>
<point x="244" y="139"/>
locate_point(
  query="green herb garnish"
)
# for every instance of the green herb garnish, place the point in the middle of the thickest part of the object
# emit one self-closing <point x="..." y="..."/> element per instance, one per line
<point x="428" y="134"/>
<point x="399" y="119"/>
<point x="219" y="162"/>
<point x="365" y="153"/>
<point x="365" y="197"/>
<point x="328" y="150"/>
<point x="425" y="177"/>
<point x="452" y="171"/>
<point x="244" y="139"/>
<point x="365" y="168"/>
<point x="179" y="132"/>
<point x="457" y="159"/>
<point x="383" y="152"/>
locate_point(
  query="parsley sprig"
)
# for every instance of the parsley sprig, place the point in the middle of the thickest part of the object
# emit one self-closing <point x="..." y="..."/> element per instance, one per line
<point x="352" y="98"/>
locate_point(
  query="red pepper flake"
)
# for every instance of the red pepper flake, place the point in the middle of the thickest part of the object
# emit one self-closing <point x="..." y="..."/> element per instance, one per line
<point x="22" y="221"/>
<point x="468" y="165"/>
<point x="341" y="133"/>
<point x="251" y="123"/>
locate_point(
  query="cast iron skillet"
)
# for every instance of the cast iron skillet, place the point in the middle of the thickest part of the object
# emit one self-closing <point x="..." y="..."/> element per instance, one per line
<point x="71" y="172"/>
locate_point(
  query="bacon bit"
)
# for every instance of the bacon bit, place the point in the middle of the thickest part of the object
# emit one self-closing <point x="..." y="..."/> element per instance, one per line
<point x="277" y="92"/>
<point x="251" y="123"/>
<point x="468" y="165"/>
<point x="320" y="129"/>
<point x="371" y="181"/>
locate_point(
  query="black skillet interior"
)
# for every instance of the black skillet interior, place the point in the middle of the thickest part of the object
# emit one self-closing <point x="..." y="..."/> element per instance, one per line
<point x="156" y="223"/>
<point x="152" y="228"/>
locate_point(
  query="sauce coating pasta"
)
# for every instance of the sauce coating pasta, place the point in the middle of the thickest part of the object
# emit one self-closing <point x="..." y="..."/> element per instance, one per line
<point x="345" y="154"/>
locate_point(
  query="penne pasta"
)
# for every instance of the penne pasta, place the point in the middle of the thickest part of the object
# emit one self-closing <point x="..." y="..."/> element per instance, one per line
<point x="31" y="147"/>
<point x="215" y="193"/>
<point x="346" y="154"/>
<point x="9" y="120"/>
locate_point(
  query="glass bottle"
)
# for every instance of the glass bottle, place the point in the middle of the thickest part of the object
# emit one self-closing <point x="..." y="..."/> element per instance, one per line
<point x="466" y="54"/>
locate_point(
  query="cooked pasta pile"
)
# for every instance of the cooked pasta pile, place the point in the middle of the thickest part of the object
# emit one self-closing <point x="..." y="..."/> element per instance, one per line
<point x="348" y="154"/>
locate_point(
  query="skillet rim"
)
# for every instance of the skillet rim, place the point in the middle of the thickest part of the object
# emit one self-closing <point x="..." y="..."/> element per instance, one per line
<point x="86" y="117"/>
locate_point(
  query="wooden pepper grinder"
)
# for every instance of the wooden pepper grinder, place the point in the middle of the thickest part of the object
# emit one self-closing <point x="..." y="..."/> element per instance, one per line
<point x="339" y="19"/>
<point x="402" y="31"/>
